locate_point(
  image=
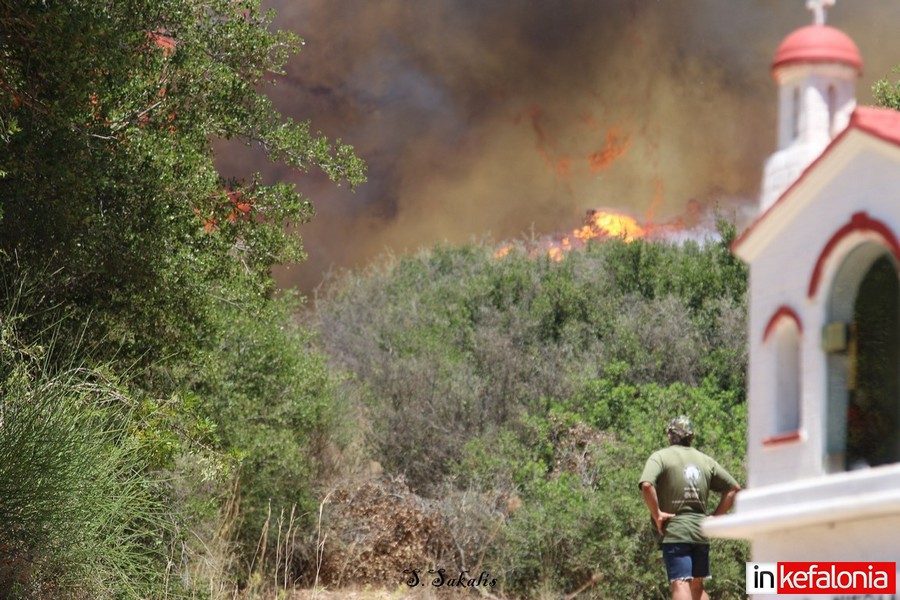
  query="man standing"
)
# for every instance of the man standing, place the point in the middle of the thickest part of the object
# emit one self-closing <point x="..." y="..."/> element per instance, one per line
<point x="675" y="484"/>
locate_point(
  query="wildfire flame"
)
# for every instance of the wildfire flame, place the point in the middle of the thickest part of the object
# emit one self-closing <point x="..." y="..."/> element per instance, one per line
<point x="598" y="224"/>
<point x="617" y="144"/>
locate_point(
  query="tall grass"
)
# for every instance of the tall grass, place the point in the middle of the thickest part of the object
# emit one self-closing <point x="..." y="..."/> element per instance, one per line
<point x="79" y="515"/>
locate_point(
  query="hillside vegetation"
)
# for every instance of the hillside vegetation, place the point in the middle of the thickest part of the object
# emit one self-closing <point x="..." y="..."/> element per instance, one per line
<point x="519" y="397"/>
<point x="169" y="428"/>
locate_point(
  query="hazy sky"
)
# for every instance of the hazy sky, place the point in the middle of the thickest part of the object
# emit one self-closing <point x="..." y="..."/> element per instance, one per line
<point x="502" y="117"/>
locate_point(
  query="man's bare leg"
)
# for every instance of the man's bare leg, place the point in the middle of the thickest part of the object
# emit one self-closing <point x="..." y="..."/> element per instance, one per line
<point x="681" y="589"/>
<point x="697" y="591"/>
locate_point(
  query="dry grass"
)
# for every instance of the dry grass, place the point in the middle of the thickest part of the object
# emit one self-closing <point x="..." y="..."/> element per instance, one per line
<point x="400" y="593"/>
<point x="375" y="530"/>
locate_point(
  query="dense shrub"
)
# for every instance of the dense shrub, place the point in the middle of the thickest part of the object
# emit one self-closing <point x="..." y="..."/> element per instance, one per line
<point x="576" y="471"/>
<point x="99" y="477"/>
<point x="275" y="413"/>
<point x="453" y="343"/>
<point x="543" y="387"/>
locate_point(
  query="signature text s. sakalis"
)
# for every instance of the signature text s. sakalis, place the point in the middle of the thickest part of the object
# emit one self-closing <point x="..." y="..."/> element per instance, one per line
<point x="440" y="578"/>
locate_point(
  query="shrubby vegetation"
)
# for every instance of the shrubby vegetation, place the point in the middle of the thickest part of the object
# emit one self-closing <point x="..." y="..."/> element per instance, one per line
<point x="540" y="388"/>
<point x="130" y="264"/>
<point x="80" y="514"/>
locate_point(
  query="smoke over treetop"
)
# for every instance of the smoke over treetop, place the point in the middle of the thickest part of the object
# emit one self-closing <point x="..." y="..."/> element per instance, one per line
<point x="506" y="117"/>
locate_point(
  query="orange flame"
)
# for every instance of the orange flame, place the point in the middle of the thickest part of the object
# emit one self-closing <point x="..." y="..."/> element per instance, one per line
<point x="617" y="144"/>
<point x="599" y="223"/>
<point x="549" y="147"/>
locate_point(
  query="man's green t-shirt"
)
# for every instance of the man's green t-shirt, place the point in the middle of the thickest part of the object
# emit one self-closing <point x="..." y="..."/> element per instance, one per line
<point x="683" y="478"/>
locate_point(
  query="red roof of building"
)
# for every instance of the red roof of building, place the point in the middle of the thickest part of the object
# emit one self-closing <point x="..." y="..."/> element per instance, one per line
<point x="816" y="44"/>
<point x="880" y="122"/>
<point x="883" y="123"/>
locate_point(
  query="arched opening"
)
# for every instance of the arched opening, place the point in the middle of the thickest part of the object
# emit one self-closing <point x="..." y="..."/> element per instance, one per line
<point x="787" y="379"/>
<point x="863" y="345"/>
<point x="873" y="416"/>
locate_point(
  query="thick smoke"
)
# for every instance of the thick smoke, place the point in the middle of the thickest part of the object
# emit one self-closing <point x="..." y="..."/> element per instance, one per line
<point x="482" y="117"/>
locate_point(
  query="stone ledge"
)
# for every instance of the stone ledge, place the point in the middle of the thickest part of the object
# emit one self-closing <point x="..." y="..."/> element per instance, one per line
<point x="840" y="497"/>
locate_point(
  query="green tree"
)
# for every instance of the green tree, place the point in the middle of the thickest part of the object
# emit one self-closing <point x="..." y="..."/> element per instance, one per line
<point x="887" y="94"/>
<point x="110" y="195"/>
<point x="143" y="262"/>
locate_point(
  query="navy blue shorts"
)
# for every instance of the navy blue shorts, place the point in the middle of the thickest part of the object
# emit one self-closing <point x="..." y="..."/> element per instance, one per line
<point x="686" y="561"/>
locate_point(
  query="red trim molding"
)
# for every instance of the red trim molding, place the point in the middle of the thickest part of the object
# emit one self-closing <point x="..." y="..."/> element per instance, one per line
<point x="782" y="438"/>
<point x="859" y="222"/>
<point x="784" y="312"/>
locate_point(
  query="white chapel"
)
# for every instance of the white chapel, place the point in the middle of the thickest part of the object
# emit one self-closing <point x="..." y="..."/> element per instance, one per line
<point x="823" y="480"/>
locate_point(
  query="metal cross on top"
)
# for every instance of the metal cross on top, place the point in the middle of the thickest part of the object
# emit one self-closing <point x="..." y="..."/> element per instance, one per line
<point x="818" y="7"/>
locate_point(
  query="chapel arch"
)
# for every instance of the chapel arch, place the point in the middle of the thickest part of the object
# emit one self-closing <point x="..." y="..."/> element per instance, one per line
<point x="862" y="339"/>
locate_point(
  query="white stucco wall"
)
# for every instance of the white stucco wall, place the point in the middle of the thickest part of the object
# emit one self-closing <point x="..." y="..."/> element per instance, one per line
<point x="795" y="506"/>
<point x="780" y="276"/>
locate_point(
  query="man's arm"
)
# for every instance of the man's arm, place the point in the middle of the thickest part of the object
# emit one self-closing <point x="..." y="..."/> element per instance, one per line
<point x="648" y="491"/>
<point x="726" y="500"/>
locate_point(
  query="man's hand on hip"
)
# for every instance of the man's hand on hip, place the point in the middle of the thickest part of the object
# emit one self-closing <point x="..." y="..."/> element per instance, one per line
<point x="661" y="521"/>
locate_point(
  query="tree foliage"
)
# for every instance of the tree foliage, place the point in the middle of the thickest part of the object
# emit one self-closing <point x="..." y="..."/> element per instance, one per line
<point x="887" y="94"/>
<point x="145" y="264"/>
<point x="110" y="191"/>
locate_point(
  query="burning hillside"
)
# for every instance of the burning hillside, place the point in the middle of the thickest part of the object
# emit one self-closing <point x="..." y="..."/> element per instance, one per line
<point x="602" y="223"/>
<point x="605" y="224"/>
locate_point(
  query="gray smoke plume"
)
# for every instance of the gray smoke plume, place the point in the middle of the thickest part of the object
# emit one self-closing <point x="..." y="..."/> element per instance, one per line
<point x="490" y="117"/>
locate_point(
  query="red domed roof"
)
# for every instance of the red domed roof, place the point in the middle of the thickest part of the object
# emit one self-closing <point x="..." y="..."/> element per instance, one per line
<point x="816" y="44"/>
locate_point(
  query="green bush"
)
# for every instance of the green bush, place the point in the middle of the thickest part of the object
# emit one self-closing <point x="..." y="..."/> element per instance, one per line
<point x="547" y="384"/>
<point x="582" y="513"/>
<point x="79" y="516"/>
<point x="274" y="414"/>
<point x="452" y="343"/>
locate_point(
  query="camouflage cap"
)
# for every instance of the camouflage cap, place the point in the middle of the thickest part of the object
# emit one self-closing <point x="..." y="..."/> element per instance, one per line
<point x="681" y="427"/>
